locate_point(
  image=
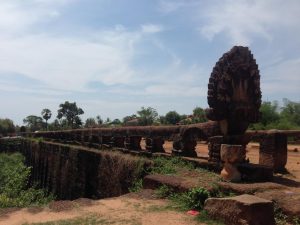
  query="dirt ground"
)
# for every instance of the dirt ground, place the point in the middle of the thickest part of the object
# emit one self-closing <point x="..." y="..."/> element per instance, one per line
<point x="293" y="163"/>
<point x="127" y="209"/>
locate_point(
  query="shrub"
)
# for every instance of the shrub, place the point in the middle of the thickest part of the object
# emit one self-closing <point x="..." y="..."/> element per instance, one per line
<point x="14" y="177"/>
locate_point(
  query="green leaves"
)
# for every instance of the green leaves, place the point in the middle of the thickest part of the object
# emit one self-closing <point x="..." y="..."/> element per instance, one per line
<point x="14" y="191"/>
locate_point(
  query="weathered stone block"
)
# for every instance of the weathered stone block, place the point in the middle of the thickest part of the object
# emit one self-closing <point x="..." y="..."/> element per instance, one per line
<point x="273" y="151"/>
<point x="241" y="210"/>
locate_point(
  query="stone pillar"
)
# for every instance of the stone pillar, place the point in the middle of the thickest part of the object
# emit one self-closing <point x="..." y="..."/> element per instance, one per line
<point x="231" y="155"/>
<point x="214" y="148"/>
<point x="155" y="145"/>
<point x="273" y="151"/>
<point x="133" y="143"/>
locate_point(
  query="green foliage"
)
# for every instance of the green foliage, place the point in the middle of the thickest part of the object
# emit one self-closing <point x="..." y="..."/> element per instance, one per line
<point x="193" y="199"/>
<point x="6" y="126"/>
<point x="274" y="117"/>
<point x="129" y="118"/>
<point x="90" y="122"/>
<point x="147" y="116"/>
<point x="14" y="191"/>
<point x="46" y="114"/>
<point x="172" y="117"/>
<point x="99" y="120"/>
<point x="163" y="191"/>
<point x="70" y="112"/>
<point x="34" y="123"/>
<point x="137" y="185"/>
<point x="199" y="115"/>
<point x="163" y="165"/>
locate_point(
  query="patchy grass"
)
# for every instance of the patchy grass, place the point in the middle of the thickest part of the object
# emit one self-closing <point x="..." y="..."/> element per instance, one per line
<point x="163" y="165"/>
<point x="282" y="219"/>
<point x="90" y="220"/>
<point x="203" y="217"/>
<point x="137" y="185"/>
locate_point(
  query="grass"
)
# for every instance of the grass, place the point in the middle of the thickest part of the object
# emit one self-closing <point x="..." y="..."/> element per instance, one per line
<point x="203" y="217"/>
<point x="90" y="220"/>
<point x="163" y="165"/>
<point x="93" y="219"/>
<point x="136" y="186"/>
<point x="282" y="219"/>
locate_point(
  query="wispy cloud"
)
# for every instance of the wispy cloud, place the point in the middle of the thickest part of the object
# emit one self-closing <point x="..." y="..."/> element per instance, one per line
<point x="151" y="28"/>
<point x="242" y="21"/>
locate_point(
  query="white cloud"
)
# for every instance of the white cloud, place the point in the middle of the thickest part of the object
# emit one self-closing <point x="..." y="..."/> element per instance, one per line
<point x="169" y="6"/>
<point x="151" y="28"/>
<point x="17" y="16"/>
<point x="71" y="63"/>
<point x="242" y="21"/>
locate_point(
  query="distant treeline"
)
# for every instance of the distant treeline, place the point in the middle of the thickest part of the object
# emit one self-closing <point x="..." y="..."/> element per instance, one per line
<point x="273" y="116"/>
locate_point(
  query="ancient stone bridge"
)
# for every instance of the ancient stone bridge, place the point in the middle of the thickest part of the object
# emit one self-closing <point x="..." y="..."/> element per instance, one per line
<point x="77" y="156"/>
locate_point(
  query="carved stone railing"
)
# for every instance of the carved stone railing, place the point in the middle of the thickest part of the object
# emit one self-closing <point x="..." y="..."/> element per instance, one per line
<point x="184" y="137"/>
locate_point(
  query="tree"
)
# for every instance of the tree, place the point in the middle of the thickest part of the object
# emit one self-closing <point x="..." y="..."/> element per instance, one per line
<point x="46" y="114"/>
<point x="290" y="112"/>
<point x="55" y="125"/>
<point x="172" y="117"/>
<point x="147" y="116"/>
<point x="90" y="122"/>
<point x="99" y="120"/>
<point x="199" y="115"/>
<point x="269" y="113"/>
<point x="129" y="118"/>
<point x="6" y="126"/>
<point x="116" y="122"/>
<point x="34" y="123"/>
<point x="70" y="112"/>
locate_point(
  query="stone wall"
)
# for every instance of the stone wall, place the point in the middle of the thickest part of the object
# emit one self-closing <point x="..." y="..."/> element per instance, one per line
<point x="71" y="172"/>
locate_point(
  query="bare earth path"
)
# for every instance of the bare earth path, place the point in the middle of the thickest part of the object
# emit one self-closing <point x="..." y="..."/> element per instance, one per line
<point x="127" y="209"/>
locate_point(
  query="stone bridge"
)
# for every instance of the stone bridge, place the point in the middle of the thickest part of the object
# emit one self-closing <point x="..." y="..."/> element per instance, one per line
<point x="234" y="98"/>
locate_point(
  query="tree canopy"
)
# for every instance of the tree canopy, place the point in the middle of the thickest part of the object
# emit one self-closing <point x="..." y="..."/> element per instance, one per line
<point x="70" y="112"/>
<point x="172" y="117"/>
<point x="46" y="114"/>
<point x="147" y="116"/>
<point x="6" y="126"/>
<point x="34" y="123"/>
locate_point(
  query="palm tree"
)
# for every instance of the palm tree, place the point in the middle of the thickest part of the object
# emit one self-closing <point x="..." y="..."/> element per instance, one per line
<point x="46" y="114"/>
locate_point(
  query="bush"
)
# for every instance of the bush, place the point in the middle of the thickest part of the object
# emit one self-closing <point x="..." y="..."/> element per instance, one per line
<point x="14" y="190"/>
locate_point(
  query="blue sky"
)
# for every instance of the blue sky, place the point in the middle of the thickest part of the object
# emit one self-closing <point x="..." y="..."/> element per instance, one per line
<point x="113" y="57"/>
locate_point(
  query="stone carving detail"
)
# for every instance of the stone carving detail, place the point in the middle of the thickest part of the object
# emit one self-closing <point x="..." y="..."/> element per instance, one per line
<point x="234" y="95"/>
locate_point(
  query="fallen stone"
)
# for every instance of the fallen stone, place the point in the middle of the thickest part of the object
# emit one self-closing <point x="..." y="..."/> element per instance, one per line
<point x="241" y="210"/>
<point x="288" y="200"/>
<point x="247" y="188"/>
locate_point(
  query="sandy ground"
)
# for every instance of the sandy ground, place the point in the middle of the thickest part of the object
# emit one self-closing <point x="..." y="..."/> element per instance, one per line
<point x="127" y="209"/>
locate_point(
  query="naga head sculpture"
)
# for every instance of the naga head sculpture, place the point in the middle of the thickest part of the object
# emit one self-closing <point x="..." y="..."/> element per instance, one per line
<point x="234" y="95"/>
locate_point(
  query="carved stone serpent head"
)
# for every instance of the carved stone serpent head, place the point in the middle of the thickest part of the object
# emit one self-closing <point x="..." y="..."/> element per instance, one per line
<point x="234" y="94"/>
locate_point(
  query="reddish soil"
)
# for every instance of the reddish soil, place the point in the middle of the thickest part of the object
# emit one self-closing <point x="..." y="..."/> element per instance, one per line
<point x="127" y="209"/>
